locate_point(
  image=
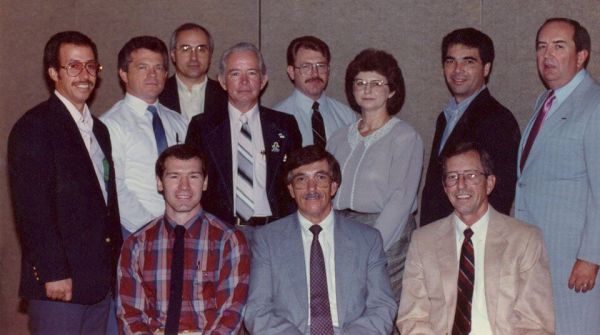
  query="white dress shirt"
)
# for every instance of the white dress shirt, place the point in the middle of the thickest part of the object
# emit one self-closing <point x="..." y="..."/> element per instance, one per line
<point x="335" y="114"/>
<point x="480" y="323"/>
<point x="259" y="185"/>
<point x="191" y="101"/>
<point x="327" y="244"/>
<point x="85" y="124"/>
<point x="134" y="153"/>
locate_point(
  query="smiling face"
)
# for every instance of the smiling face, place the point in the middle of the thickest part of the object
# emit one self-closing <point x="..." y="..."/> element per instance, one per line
<point x="464" y="71"/>
<point x="182" y="184"/>
<point x="243" y="79"/>
<point x="145" y="76"/>
<point x="313" y="83"/>
<point x="312" y="189"/>
<point x="79" y="88"/>
<point x="557" y="58"/>
<point x="470" y="202"/>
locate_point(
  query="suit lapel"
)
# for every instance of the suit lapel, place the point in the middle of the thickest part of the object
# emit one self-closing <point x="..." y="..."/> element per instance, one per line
<point x="219" y="138"/>
<point x="495" y="245"/>
<point x="293" y="254"/>
<point x="448" y="264"/>
<point x="273" y="147"/>
<point x="344" y="256"/>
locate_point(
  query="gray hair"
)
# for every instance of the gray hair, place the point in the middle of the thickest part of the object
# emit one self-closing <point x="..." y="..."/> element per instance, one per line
<point x="242" y="46"/>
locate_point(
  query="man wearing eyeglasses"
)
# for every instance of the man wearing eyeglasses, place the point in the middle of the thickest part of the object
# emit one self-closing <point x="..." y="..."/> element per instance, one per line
<point x="318" y="115"/>
<point x="476" y="271"/>
<point x="189" y="91"/>
<point x="471" y="115"/>
<point x="246" y="145"/>
<point x="316" y="272"/>
<point x="64" y="197"/>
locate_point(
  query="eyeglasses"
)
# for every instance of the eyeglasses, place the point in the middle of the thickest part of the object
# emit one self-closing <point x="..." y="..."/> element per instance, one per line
<point x="188" y="49"/>
<point x="321" y="180"/>
<point x="74" y="68"/>
<point x="361" y="84"/>
<point x="307" y="68"/>
<point x="471" y="178"/>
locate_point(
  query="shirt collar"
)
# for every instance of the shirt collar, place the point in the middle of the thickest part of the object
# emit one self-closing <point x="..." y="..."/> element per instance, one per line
<point x="453" y="108"/>
<point x="563" y="92"/>
<point x="235" y="113"/>
<point x="78" y="116"/>
<point x="305" y="103"/>
<point x="479" y="228"/>
<point x="195" y="87"/>
<point x="138" y="105"/>
<point x="326" y="224"/>
<point x="189" y="225"/>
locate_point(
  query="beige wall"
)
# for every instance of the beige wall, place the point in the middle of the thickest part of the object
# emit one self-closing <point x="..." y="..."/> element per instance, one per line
<point x="411" y="30"/>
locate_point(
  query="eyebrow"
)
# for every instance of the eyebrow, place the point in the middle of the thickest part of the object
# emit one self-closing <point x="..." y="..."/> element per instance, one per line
<point x="462" y="58"/>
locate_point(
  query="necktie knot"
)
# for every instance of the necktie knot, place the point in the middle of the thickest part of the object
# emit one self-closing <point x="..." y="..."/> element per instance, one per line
<point x="152" y="109"/>
<point x="468" y="233"/>
<point x="315" y="229"/>
<point x="315" y="106"/>
<point x="179" y="231"/>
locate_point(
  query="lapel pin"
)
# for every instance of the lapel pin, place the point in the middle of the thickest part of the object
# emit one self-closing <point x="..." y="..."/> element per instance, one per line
<point x="275" y="147"/>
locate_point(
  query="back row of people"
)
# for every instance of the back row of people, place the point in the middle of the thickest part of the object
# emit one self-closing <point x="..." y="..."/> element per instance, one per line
<point x="245" y="147"/>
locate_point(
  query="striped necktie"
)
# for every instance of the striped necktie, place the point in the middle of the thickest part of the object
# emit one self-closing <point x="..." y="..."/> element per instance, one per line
<point x="244" y="204"/>
<point x="466" y="280"/>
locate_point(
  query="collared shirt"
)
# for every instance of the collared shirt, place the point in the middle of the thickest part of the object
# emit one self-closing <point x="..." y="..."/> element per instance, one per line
<point x="327" y="245"/>
<point x="453" y="112"/>
<point x="134" y="153"/>
<point x="216" y="274"/>
<point x="191" y="101"/>
<point x="335" y="114"/>
<point x="480" y="323"/>
<point x="85" y="124"/>
<point x="561" y="94"/>
<point x="260" y="198"/>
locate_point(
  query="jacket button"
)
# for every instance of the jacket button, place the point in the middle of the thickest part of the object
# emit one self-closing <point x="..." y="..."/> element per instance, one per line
<point x="107" y="240"/>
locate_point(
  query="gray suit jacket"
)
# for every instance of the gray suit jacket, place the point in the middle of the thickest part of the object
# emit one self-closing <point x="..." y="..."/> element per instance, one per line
<point x="559" y="191"/>
<point x="277" y="302"/>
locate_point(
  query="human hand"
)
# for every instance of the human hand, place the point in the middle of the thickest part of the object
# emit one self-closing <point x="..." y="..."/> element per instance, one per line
<point x="60" y="289"/>
<point x="583" y="276"/>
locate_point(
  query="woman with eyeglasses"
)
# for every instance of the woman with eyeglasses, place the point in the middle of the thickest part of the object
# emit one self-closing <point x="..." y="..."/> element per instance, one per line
<point x="381" y="157"/>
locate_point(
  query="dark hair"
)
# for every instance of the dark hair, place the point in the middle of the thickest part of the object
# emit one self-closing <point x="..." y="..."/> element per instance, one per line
<point x="581" y="37"/>
<point x="179" y="151"/>
<point x="386" y="65"/>
<point x="191" y="26"/>
<point x="310" y="154"/>
<point x="464" y="147"/>
<point x="471" y="38"/>
<point x="151" y="43"/>
<point x="307" y="42"/>
<point x="52" y="49"/>
<point x="242" y="46"/>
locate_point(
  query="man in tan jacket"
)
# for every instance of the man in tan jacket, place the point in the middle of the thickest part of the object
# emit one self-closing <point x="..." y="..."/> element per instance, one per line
<point x="476" y="271"/>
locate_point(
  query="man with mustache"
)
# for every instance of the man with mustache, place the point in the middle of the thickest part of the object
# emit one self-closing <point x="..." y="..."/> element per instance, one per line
<point x="318" y="115"/>
<point x="476" y="271"/>
<point x="141" y="128"/>
<point x="316" y="272"/>
<point x="189" y="91"/>
<point x="64" y="196"/>
<point x="471" y="115"/>
<point x="558" y="186"/>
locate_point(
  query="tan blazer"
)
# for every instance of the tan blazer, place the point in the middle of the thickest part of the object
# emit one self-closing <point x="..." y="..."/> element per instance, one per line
<point x="518" y="288"/>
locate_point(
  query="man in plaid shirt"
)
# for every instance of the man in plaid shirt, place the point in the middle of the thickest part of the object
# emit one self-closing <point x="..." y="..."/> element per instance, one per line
<point x="215" y="264"/>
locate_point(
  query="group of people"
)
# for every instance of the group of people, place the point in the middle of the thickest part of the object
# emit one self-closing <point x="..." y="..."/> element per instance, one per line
<point x="190" y="208"/>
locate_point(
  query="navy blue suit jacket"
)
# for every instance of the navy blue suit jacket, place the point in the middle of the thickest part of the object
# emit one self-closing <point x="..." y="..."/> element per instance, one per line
<point x="215" y="96"/>
<point x="65" y="227"/>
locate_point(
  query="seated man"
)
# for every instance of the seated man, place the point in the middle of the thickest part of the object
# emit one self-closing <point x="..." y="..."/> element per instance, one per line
<point x="476" y="271"/>
<point x="314" y="272"/>
<point x="186" y="253"/>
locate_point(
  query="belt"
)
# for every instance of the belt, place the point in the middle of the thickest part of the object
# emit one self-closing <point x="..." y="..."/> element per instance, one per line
<point x="253" y="221"/>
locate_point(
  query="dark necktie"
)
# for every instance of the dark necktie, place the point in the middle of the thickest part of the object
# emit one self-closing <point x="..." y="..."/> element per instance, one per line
<point x="320" y="314"/>
<point x="318" y="127"/>
<point x="466" y="279"/>
<point x="535" y="129"/>
<point x="176" y="289"/>
<point x="159" y="130"/>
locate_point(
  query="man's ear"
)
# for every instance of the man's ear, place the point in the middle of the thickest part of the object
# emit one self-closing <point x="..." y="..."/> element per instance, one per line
<point x="159" y="185"/>
<point x="53" y="74"/>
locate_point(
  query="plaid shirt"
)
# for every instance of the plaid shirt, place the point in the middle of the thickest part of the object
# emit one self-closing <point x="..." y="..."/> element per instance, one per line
<point x="215" y="285"/>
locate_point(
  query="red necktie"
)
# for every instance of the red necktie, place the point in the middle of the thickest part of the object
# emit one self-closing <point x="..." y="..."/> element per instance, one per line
<point x="466" y="279"/>
<point x="537" y="125"/>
